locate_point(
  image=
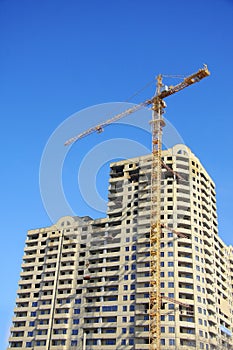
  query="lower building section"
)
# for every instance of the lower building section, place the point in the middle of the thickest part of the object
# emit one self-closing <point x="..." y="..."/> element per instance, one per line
<point x="85" y="283"/>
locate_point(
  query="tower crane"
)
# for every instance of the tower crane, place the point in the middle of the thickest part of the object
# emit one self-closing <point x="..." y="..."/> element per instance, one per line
<point x="157" y="123"/>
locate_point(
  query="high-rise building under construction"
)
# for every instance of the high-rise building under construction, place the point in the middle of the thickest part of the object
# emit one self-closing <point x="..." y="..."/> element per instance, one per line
<point x="85" y="283"/>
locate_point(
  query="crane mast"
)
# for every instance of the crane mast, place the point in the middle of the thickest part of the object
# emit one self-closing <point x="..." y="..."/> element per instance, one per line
<point x="157" y="124"/>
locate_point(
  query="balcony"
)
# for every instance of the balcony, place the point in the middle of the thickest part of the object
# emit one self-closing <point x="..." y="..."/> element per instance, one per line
<point x="184" y="261"/>
<point x="208" y="234"/>
<point x="185" y="278"/>
<point x="209" y="269"/>
<point x="142" y="300"/>
<point x="209" y="260"/>
<point x="210" y="299"/>
<point x="210" y="289"/>
<point x="214" y="342"/>
<point x="188" y="268"/>
<point x="141" y="346"/>
<point x="185" y="324"/>
<point x="213" y="330"/>
<point x="142" y="323"/>
<point x="142" y="279"/>
<point x="184" y="249"/>
<point x="185" y="291"/>
<point x="207" y="247"/>
<point x="142" y="334"/>
<point x="211" y="318"/>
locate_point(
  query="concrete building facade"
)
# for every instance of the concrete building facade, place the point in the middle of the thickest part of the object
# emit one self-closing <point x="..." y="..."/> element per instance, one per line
<point x="84" y="283"/>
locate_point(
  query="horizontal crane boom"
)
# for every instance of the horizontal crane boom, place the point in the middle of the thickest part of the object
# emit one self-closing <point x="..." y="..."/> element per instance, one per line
<point x="194" y="78"/>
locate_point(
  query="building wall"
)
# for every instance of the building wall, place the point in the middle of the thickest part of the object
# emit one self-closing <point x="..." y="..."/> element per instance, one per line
<point x="85" y="283"/>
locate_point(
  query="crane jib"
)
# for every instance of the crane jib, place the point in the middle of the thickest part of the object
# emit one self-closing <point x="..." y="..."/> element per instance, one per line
<point x="194" y="78"/>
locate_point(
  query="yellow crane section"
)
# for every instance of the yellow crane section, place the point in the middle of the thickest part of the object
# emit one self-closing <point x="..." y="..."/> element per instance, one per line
<point x="194" y="78"/>
<point x="157" y="124"/>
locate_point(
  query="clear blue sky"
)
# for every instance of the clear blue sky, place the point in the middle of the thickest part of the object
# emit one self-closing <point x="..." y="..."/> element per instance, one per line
<point x="58" y="57"/>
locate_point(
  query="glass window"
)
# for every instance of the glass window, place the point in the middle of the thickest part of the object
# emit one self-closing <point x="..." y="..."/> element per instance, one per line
<point x="109" y="308"/>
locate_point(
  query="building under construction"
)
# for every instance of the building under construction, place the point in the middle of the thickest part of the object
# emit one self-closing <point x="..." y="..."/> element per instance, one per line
<point x="85" y="284"/>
